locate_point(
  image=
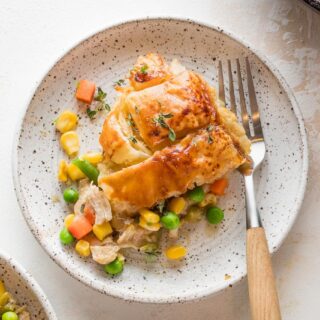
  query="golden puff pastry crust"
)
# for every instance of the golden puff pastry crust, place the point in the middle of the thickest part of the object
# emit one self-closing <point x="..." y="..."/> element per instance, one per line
<point x="115" y="140"/>
<point x="149" y="70"/>
<point x="199" y="158"/>
<point x="186" y="98"/>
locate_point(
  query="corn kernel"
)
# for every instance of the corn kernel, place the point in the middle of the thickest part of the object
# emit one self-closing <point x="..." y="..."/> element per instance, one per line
<point x="177" y="205"/>
<point x="149" y="216"/>
<point x="102" y="230"/>
<point x="70" y="142"/>
<point x="149" y="226"/>
<point x="83" y="248"/>
<point x="75" y="173"/>
<point x="176" y="252"/>
<point x="62" y="171"/>
<point x="68" y="220"/>
<point x="93" y="157"/>
<point x="121" y="257"/>
<point x="209" y="198"/>
<point x="66" y="121"/>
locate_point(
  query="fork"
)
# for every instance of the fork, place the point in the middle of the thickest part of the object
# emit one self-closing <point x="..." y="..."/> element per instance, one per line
<point x="264" y="303"/>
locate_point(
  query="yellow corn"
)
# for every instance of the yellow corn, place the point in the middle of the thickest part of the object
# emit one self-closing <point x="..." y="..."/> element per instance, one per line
<point x="177" y="205"/>
<point x="149" y="226"/>
<point x="93" y="157"/>
<point x="102" y="230"/>
<point x="121" y="257"/>
<point x="75" y="173"/>
<point x="176" y="252"/>
<point x="83" y="248"/>
<point x="70" y="142"/>
<point x="2" y="288"/>
<point x="149" y="216"/>
<point x="66" y="121"/>
<point x="209" y="198"/>
<point x="62" y="171"/>
<point x="68" y="220"/>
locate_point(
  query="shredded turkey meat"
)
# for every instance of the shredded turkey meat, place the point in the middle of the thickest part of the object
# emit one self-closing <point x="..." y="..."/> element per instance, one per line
<point x="135" y="237"/>
<point x="106" y="253"/>
<point x="93" y="196"/>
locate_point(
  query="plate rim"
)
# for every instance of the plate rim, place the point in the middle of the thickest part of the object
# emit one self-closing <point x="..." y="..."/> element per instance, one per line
<point x="186" y="296"/>
<point x="32" y="283"/>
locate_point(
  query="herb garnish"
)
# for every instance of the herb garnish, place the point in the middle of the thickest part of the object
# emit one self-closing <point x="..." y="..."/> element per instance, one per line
<point x="160" y="121"/>
<point x="172" y="134"/>
<point x="160" y="206"/>
<point x="107" y="106"/>
<point x="133" y="139"/>
<point x="119" y="83"/>
<point x="91" y="113"/>
<point x="209" y="129"/>
<point x="100" y="97"/>
<point x="130" y="120"/>
<point x="144" y="69"/>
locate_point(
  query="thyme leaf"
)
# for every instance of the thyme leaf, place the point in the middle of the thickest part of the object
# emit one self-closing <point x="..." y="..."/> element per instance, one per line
<point x="91" y="113"/>
<point x="101" y="95"/>
<point x="133" y="139"/>
<point x="144" y="69"/>
<point x="160" y="121"/>
<point x="172" y="134"/>
<point x="119" y="82"/>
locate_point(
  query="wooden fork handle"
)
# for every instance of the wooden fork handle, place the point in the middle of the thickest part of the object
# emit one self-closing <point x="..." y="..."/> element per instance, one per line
<point x="262" y="287"/>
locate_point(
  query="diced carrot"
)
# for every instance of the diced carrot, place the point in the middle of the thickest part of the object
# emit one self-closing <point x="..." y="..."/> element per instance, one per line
<point x="85" y="91"/>
<point x="219" y="186"/>
<point x="79" y="227"/>
<point x="89" y="213"/>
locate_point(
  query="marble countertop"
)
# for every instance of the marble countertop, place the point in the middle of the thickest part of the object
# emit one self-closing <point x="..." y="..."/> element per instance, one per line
<point x="34" y="33"/>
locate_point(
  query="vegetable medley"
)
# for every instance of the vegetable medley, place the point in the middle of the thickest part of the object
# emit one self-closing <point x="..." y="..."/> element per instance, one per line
<point x="90" y="227"/>
<point x="9" y="308"/>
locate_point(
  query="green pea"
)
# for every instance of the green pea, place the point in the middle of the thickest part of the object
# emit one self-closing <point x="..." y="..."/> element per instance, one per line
<point x="70" y="195"/>
<point x="196" y="194"/>
<point x="114" y="267"/>
<point x="65" y="236"/>
<point x="10" y="315"/>
<point x="215" y="215"/>
<point x="170" y="220"/>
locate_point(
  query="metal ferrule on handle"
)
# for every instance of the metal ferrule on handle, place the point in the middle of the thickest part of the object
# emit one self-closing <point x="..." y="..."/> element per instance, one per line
<point x="253" y="216"/>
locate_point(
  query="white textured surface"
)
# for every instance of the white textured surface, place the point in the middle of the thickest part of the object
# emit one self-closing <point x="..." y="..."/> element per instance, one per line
<point x="34" y="33"/>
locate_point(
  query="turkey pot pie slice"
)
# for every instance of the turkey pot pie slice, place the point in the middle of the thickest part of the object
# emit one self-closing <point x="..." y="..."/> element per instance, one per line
<point x="208" y="141"/>
<point x="199" y="158"/>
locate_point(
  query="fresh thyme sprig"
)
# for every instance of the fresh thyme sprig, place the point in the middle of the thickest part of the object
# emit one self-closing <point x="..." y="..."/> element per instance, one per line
<point x="102" y="104"/>
<point x="160" y="120"/>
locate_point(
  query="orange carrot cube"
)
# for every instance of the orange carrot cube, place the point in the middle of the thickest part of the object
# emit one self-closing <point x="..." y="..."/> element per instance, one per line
<point x="85" y="91"/>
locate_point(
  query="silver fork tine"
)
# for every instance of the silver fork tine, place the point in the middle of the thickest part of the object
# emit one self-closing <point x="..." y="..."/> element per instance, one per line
<point x="258" y="134"/>
<point x="222" y="96"/>
<point x="244" y="112"/>
<point x="233" y="107"/>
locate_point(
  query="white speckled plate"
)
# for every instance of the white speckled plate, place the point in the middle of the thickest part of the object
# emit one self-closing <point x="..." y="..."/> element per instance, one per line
<point x="25" y="289"/>
<point x="216" y="257"/>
